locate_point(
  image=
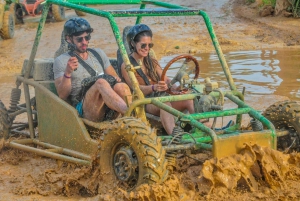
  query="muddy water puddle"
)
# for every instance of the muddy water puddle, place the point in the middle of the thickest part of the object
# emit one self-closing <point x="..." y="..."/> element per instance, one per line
<point x="261" y="72"/>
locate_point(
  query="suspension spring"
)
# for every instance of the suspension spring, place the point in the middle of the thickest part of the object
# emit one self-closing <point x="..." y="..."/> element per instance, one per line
<point x="256" y="125"/>
<point x="171" y="155"/>
<point x="171" y="158"/>
<point x="14" y="99"/>
<point x="177" y="135"/>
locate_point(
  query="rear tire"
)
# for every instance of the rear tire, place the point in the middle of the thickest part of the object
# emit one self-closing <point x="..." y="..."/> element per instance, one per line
<point x="80" y="13"/>
<point x="8" y="27"/>
<point x="5" y="122"/>
<point x="286" y="115"/>
<point x="17" y="12"/>
<point x="58" y="13"/>
<point x="131" y="154"/>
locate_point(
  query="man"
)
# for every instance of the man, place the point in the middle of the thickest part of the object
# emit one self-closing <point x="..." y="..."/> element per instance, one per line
<point x="81" y="62"/>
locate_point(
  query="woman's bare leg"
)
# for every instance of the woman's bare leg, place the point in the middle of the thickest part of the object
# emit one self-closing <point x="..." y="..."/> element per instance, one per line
<point x="167" y="119"/>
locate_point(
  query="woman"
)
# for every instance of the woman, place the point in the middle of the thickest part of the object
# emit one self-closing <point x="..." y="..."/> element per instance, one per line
<point x="139" y="39"/>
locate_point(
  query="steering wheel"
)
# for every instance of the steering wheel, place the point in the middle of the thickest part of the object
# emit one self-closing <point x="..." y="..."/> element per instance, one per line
<point x="181" y="72"/>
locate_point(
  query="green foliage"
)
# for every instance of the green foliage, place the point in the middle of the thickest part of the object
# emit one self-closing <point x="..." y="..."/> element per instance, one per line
<point x="269" y="2"/>
<point x="295" y="7"/>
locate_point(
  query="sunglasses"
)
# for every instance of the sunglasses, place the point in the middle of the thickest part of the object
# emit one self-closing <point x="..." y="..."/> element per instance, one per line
<point x="80" y="39"/>
<point x="144" y="45"/>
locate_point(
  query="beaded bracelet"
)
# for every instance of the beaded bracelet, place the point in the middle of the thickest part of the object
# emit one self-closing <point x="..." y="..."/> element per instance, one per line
<point x="67" y="76"/>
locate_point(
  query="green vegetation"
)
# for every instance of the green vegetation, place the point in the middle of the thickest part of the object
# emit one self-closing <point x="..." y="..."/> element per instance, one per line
<point x="295" y="7"/>
<point x="269" y="2"/>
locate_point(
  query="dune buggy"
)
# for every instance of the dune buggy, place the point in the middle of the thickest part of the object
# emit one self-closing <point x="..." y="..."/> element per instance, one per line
<point x="22" y="8"/>
<point x="128" y="149"/>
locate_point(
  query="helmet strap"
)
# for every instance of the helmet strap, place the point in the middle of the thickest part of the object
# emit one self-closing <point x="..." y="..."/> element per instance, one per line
<point x="71" y="46"/>
<point x="133" y="46"/>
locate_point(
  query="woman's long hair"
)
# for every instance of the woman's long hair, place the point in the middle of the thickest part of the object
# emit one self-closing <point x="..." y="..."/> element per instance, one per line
<point x="149" y="62"/>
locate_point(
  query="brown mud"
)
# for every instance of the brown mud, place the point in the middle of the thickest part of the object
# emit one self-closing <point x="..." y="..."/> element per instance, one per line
<point x="256" y="173"/>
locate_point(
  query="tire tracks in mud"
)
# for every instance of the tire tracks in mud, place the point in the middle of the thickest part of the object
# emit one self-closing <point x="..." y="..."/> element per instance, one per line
<point x="270" y="29"/>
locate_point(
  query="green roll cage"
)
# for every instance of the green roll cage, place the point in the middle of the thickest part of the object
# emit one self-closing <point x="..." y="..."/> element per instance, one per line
<point x="139" y="101"/>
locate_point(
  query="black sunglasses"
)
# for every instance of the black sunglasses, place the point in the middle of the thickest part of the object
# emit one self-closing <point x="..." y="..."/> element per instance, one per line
<point x="144" y="45"/>
<point x="80" y="39"/>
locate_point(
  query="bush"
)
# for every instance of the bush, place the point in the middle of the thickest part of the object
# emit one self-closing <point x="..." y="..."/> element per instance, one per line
<point x="269" y="2"/>
<point x="295" y="7"/>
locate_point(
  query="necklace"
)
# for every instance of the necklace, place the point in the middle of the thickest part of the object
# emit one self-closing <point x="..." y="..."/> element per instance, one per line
<point x="93" y="63"/>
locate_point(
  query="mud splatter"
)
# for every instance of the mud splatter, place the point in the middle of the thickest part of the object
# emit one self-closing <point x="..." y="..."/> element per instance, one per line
<point x="256" y="172"/>
<point x="253" y="165"/>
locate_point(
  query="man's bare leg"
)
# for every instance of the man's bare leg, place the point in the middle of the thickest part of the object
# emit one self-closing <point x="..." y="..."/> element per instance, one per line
<point x="96" y="96"/>
<point x="123" y="91"/>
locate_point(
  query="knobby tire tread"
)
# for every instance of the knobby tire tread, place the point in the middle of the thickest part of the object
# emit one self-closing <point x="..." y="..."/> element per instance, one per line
<point x="144" y="141"/>
<point x="58" y="16"/>
<point x="80" y="13"/>
<point x="8" y="21"/>
<point x="5" y="122"/>
<point x="284" y="114"/>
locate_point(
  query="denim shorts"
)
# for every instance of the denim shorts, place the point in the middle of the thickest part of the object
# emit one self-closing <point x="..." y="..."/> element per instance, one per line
<point x="79" y="108"/>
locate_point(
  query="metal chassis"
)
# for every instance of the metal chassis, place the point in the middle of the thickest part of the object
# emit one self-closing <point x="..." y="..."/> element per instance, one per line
<point x="201" y="139"/>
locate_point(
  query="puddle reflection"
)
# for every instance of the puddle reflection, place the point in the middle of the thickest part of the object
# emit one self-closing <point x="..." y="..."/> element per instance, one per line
<point x="260" y="71"/>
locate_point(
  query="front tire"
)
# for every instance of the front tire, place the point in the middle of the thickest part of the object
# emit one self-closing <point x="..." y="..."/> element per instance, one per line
<point x="131" y="154"/>
<point x="286" y="115"/>
<point x="8" y="27"/>
<point x="17" y="12"/>
<point x="5" y="122"/>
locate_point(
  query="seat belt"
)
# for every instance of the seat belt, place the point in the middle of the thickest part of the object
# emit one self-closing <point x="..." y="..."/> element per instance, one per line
<point x="87" y="67"/>
<point x="139" y="70"/>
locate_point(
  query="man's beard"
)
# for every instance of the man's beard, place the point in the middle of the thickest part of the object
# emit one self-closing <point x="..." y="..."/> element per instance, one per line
<point x="81" y="51"/>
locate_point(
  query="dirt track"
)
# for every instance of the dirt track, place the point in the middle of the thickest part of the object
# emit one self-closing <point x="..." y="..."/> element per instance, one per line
<point x="238" y="27"/>
<point x="24" y="176"/>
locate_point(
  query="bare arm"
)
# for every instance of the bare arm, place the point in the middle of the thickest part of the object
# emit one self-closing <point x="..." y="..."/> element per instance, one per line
<point x="159" y="72"/>
<point x="167" y="81"/>
<point x="63" y="84"/>
<point x="146" y="89"/>
<point x="111" y="71"/>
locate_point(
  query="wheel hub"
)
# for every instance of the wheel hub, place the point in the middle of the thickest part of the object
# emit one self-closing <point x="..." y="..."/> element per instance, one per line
<point x="126" y="165"/>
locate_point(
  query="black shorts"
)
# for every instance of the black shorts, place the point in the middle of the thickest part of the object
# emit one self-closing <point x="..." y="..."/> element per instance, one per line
<point x="86" y="83"/>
